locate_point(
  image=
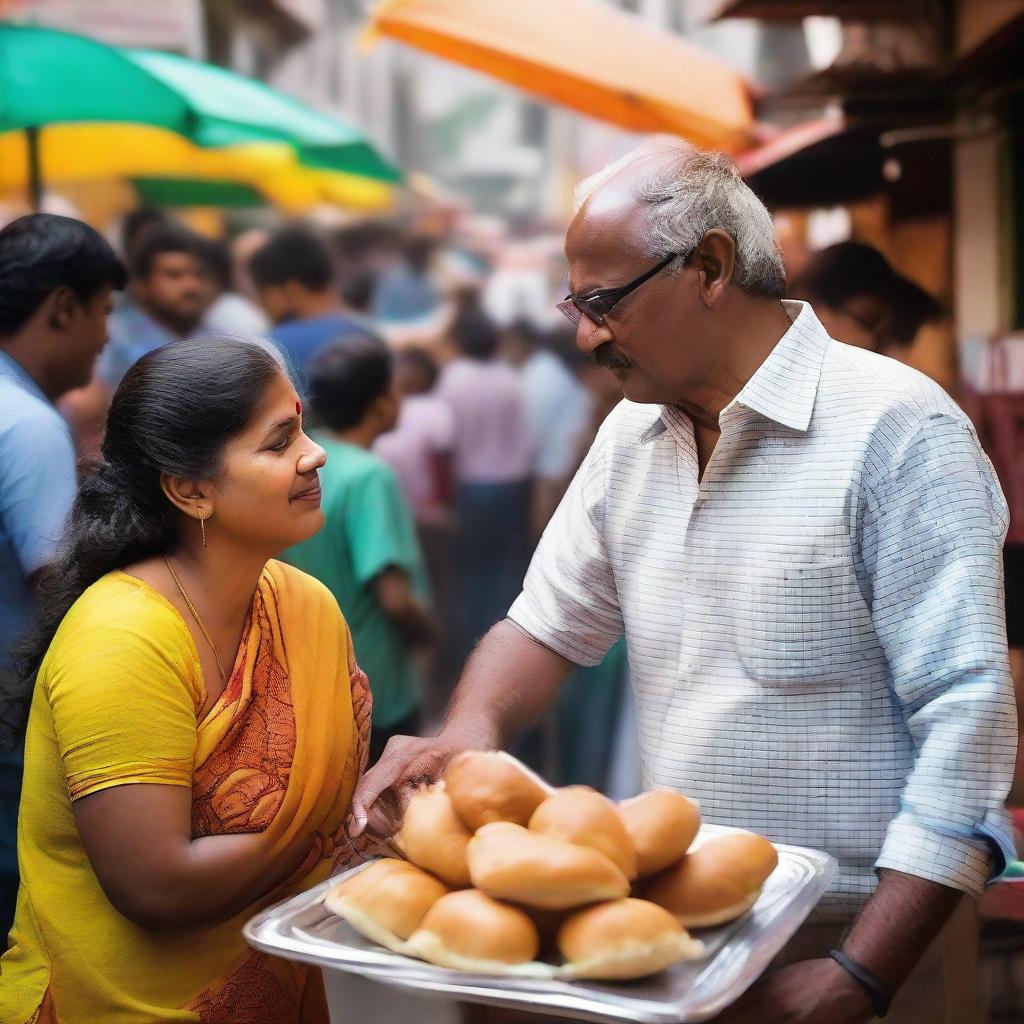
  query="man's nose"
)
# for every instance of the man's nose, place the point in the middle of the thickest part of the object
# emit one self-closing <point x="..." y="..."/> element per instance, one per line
<point x="590" y="336"/>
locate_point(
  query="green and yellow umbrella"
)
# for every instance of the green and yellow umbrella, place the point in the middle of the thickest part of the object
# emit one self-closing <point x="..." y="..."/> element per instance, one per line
<point x="51" y="82"/>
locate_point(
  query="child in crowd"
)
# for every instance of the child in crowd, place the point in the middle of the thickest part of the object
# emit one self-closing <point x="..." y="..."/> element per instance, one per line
<point x="367" y="553"/>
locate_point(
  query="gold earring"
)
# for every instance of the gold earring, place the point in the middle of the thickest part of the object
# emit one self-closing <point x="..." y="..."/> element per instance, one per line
<point x="202" y="528"/>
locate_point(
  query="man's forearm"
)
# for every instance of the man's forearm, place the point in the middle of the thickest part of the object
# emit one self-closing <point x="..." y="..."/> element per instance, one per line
<point x="508" y="684"/>
<point x="897" y="925"/>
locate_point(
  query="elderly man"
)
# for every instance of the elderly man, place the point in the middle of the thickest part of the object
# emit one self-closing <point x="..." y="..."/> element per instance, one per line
<point x="801" y="542"/>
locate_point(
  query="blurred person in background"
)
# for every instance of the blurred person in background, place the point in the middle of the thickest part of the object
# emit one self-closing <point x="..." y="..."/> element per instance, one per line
<point x="243" y="247"/>
<point x="228" y="311"/>
<point x="557" y="410"/>
<point x="492" y="475"/>
<point x="295" y="279"/>
<point x="135" y="223"/>
<point x="166" y="300"/>
<point x="405" y="289"/>
<point x="367" y="554"/>
<point x="57" y="277"/>
<point x="419" y="450"/>
<point x="801" y="542"/>
<point x="419" y="447"/>
<point x="198" y="719"/>
<point x="861" y="300"/>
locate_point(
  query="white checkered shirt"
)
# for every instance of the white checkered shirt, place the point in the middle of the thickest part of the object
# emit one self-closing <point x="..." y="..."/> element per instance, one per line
<point x="816" y="630"/>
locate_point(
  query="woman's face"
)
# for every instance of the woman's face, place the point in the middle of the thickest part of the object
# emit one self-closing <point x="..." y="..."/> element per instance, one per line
<point x="268" y="496"/>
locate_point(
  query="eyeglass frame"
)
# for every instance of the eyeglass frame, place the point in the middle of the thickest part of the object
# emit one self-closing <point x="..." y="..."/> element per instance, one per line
<point x="574" y="307"/>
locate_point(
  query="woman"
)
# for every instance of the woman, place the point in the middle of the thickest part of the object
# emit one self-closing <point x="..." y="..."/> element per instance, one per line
<point x="198" y="721"/>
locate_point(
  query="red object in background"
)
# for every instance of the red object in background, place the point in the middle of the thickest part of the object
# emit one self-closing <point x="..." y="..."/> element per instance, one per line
<point x="996" y="406"/>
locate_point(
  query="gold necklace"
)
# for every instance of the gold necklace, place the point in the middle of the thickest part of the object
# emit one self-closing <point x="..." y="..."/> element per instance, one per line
<point x="199" y="622"/>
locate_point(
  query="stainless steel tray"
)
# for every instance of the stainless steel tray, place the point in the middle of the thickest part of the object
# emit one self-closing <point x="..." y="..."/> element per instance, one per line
<point x="736" y="954"/>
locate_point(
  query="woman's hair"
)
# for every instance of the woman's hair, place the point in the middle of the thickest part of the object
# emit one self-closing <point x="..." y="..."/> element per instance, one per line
<point x="174" y="412"/>
<point x="685" y="193"/>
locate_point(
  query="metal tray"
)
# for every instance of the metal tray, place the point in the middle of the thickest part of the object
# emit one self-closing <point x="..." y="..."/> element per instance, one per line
<point x="301" y="928"/>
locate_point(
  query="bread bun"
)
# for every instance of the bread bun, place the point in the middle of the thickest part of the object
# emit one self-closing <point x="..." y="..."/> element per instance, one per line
<point x="623" y="939"/>
<point x="583" y="816"/>
<point x="469" y="931"/>
<point x="717" y="882"/>
<point x="490" y="785"/>
<point x="662" y="824"/>
<point x="751" y="853"/>
<point x="386" y="901"/>
<point x="433" y="836"/>
<point x="510" y="862"/>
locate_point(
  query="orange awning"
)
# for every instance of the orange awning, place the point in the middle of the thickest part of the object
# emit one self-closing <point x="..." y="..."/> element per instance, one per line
<point x="586" y="55"/>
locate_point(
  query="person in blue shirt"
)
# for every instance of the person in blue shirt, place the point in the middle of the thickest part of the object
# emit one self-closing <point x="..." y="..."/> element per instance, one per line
<point x="57" y="276"/>
<point x="296" y="283"/>
<point x="166" y="303"/>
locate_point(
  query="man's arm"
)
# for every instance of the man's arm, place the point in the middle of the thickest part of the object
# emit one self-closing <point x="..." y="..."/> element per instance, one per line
<point x="567" y="614"/>
<point x="900" y="921"/>
<point x="508" y="684"/>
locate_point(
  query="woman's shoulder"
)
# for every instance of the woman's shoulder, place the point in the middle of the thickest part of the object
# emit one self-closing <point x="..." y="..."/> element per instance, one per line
<point x="121" y="620"/>
<point x="118" y="601"/>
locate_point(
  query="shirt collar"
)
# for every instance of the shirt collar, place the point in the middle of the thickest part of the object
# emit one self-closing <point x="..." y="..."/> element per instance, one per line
<point x="785" y="385"/>
<point x="13" y="370"/>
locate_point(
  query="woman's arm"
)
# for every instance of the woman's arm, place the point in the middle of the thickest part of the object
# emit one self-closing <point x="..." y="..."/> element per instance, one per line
<point x="139" y="841"/>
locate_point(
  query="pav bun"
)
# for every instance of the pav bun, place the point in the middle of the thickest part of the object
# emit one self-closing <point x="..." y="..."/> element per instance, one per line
<point x="751" y="853"/>
<point x="583" y="816"/>
<point x="434" y="837"/>
<point x="623" y="939"/>
<point x="717" y="882"/>
<point x="510" y="862"/>
<point x="662" y="824"/>
<point x="386" y="901"/>
<point x="469" y="931"/>
<point x="490" y="785"/>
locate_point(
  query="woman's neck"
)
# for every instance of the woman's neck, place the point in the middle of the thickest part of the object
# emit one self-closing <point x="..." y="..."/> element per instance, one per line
<point x="220" y="582"/>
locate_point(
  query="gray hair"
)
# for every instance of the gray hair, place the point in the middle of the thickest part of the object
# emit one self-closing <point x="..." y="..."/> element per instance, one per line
<point x="690" y="191"/>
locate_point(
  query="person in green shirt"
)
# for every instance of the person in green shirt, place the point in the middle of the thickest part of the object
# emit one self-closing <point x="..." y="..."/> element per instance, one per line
<point x="367" y="553"/>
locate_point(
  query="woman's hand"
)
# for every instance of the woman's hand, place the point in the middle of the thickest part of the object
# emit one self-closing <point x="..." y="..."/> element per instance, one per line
<point x="809" y="992"/>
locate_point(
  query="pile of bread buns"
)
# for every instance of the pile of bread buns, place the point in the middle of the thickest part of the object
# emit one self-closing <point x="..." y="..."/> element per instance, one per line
<point x="505" y="874"/>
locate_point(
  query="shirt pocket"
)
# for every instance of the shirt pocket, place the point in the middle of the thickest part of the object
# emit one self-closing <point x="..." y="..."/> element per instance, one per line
<point x="796" y="621"/>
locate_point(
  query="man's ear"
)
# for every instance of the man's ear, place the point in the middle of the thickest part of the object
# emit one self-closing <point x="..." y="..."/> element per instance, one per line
<point x="62" y="303"/>
<point x="715" y="261"/>
<point x="193" y="497"/>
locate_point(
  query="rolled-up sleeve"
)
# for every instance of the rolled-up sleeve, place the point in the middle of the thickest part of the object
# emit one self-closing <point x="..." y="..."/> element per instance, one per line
<point x="569" y="601"/>
<point x="932" y="529"/>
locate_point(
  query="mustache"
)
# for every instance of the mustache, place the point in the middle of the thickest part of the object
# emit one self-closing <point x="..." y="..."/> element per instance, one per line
<point x="610" y="358"/>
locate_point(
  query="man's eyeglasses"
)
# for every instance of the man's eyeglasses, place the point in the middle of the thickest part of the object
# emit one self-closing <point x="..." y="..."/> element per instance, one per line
<point x="597" y="305"/>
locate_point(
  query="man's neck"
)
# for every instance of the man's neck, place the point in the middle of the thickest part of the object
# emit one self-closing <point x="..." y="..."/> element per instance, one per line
<point x="362" y="435"/>
<point x="318" y="304"/>
<point x="27" y="357"/>
<point x="753" y="330"/>
<point x="179" y="332"/>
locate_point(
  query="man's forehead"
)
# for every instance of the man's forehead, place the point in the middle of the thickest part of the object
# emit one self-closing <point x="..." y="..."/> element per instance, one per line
<point x="606" y="236"/>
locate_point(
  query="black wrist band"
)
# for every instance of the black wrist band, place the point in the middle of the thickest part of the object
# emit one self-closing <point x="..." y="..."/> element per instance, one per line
<point x="880" y="997"/>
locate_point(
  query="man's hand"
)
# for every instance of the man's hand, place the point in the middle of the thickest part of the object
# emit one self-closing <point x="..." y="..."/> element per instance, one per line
<point x="407" y="763"/>
<point x="809" y="992"/>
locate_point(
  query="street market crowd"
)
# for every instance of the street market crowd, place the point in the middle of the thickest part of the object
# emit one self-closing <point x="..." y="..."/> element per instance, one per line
<point x="771" y="578"/>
